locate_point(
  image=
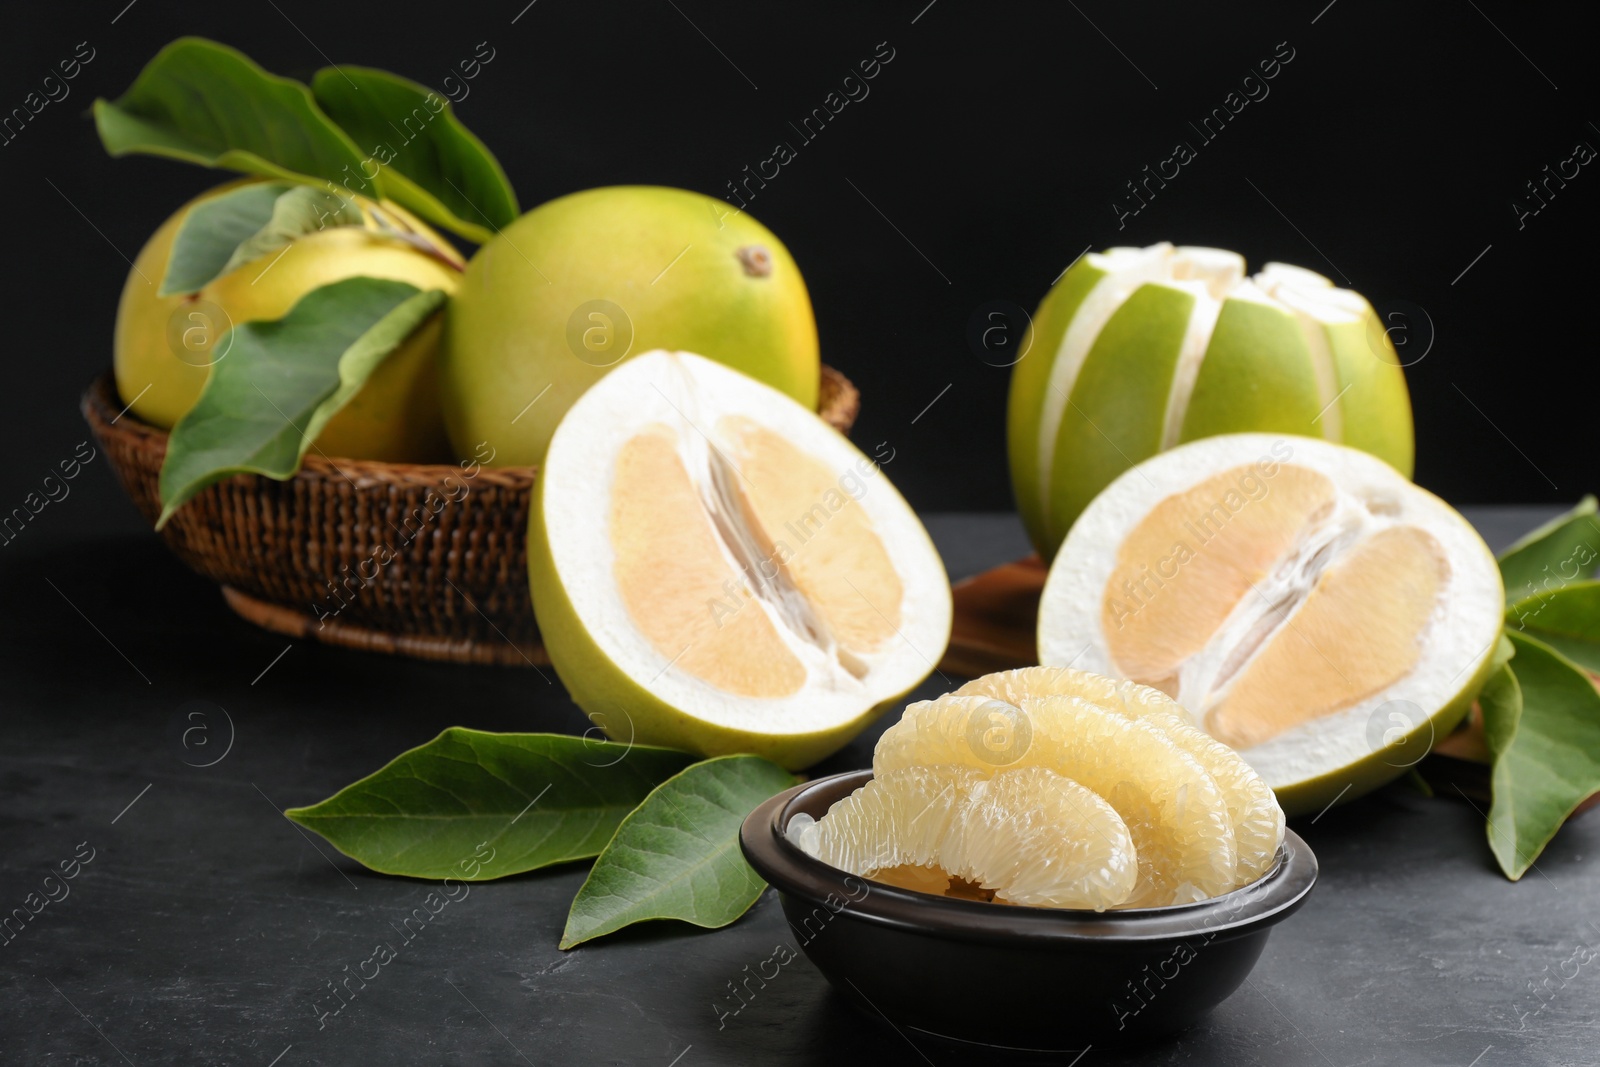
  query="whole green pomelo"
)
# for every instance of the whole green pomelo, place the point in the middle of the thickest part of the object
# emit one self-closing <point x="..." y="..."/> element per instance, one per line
<point x="583" y="282"/>
<point x="1137" y="350"/>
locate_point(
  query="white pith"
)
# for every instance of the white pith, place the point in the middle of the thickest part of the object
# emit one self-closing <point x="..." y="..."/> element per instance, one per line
<point x="1211" y="276"/>
<point x="1461" y="633"/>
<point x="692" y="394"/>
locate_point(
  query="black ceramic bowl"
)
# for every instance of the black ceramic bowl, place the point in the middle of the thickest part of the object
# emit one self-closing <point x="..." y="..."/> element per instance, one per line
<point x="1019" y="977"/>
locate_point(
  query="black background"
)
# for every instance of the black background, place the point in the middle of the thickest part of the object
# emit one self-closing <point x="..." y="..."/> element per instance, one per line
<point x="985" y="159"/>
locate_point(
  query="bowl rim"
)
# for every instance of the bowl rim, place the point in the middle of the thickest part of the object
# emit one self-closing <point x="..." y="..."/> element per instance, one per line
<point x="1268" y="900"/>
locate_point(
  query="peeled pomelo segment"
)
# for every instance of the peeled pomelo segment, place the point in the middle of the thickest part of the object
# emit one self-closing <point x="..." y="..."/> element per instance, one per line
<point x="1029" y="835"/>
<point x="1293" y="679"/>
<point x="1177" y="817"/>
<point x="1175" y="813"/>
<point x="716" y="569"/>
<point x="894" y="821"/>
<point x="1329" y="593"/>
<point x="1257" y="820"/>
<point x="1183" y="569"/>
<point x="1023" y="685"/>
<point x="1035" y="837"/>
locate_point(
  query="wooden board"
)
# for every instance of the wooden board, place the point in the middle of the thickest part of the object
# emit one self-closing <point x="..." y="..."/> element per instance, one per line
<point x="995" y="617"/>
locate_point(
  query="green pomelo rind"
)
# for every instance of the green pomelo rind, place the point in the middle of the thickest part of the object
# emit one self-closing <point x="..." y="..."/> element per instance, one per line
<point x="1030" y="388"/>
<point x="1256" y="377"/>
<point x="1118" y="405"/>
<point x="1373" y="401"/>
<point x="1265" y="383"/>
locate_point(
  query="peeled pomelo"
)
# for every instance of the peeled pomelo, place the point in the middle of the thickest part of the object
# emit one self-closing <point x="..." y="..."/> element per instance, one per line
<point x="1309" y="606"/>
<point x="715" y="569"/>
<point x="1056" y="787"/>
<point x="581" y="283"/>
<point x="1137" y="350"/>
<point x="163" y="345"/>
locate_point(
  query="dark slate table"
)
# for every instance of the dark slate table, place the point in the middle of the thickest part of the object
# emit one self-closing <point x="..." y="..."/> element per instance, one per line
<point x="206" y="928"/>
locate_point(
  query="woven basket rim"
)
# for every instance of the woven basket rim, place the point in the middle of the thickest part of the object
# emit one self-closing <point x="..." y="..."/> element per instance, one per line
<point x="102" y="408"/>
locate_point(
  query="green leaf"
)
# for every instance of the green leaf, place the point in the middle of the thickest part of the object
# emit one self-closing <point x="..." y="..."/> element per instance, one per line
<point x="1500" y="700"/>
<point x="203" y="102"/>
<point x="1542" y="722"/>
<point x="475" y="805"/>
<point x="677" y="856"/>
<point x="300" y="211"/>
<point x="1567" y="620"/>
<point x="223" y="233"/>
<point x="1562" y="550"/>
<point x="424" y="157"/>
<point x="212" y="230"/>
<point x="276" y="384"/>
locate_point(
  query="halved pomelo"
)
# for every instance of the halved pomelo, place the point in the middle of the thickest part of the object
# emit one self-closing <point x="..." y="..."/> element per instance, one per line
<point x="715" y="569"/>
<point x="1308" y="605"/>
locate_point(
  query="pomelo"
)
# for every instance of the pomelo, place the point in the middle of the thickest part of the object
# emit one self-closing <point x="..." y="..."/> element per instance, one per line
<point x="1307" y="604"/>
<point x="583" y="282"/>
<point x="715" y="569"/>
<point x="1058" y="787"/>
<point x="164" y="346"/>
<point x="1136" y="350"/>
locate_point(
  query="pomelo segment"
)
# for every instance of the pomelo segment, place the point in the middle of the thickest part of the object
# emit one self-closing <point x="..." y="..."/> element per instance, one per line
<point x="1000" y="790"/>
<point x="1293" y="595"/>
<point x="713" y="568"/>
<point x="1257" y="820"/>
<point x="1138" y="350"/>
<point x="1172" y="806"/>
<point x="1029" y="835"/>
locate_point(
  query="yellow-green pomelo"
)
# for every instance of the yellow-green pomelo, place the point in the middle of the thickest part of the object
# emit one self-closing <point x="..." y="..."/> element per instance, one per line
<point x="1306" y="603"/>
<point x="164" y="345"/>
<point x="715" y="569"/>
<point x="583" y="282"/>
<point x="1137" y="350"/>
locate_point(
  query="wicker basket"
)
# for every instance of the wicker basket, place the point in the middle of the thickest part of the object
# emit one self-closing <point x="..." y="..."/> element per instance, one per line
<point x="415" y="560"/>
